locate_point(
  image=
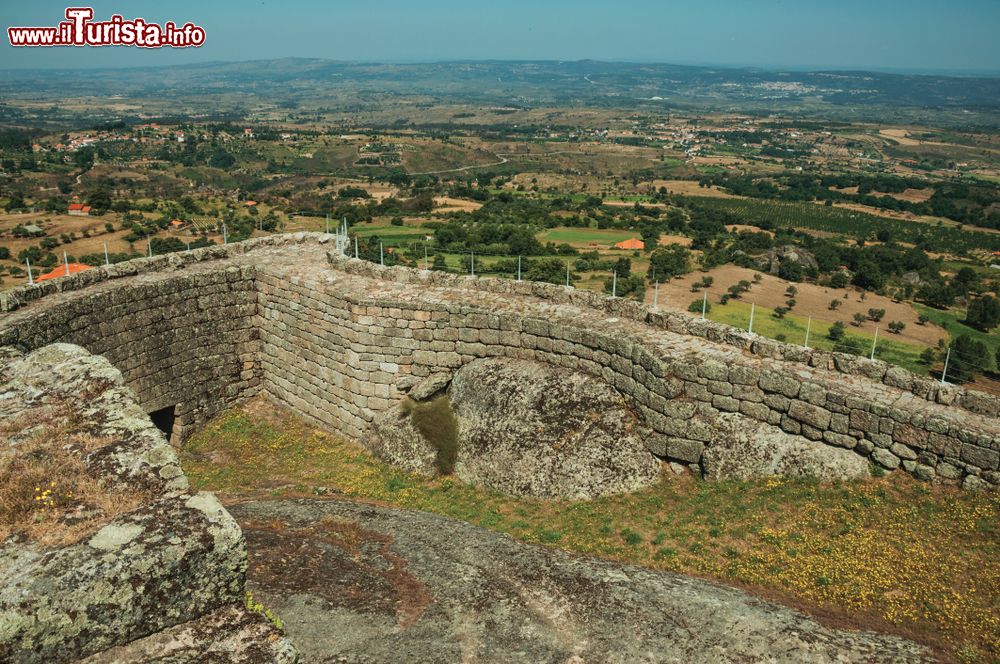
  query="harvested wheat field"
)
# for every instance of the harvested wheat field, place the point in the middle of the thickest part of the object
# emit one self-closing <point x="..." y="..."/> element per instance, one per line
<point x="811" y="300"/>
<point x="692" y="188"/>
<point x="901" y="136"/>
<point x="449" y="204"/>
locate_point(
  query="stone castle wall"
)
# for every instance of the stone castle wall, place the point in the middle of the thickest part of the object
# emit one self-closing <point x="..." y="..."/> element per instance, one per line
<point x="340" y="340"/>
<point x="187" y="340"/>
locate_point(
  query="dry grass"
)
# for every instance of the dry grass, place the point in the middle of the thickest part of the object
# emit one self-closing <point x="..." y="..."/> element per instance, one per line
<point x="48" y="496"/>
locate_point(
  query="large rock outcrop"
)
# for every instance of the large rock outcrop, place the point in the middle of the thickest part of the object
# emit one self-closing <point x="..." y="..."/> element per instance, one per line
<point x="743" y="449"/>
<point x="137" y="559"/>
<point x="530" y="429"/>
<point x="521" y="427"/>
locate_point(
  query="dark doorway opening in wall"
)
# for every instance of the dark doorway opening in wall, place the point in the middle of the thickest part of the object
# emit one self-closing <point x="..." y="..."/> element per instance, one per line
<point x="164" y="420"/>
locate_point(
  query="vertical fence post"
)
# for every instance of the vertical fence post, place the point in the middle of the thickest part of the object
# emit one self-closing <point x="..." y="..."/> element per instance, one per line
<point x="225" y="234"/>
<point x="381" y="254"/>
<point x="425" y="255"/>
<point x="149" y="245"/>
<point x="614" y="284"/>
<point x="944" y="373"/>
<point x="31" y="280"/>
<point x="518" y="268"/>
<point x="753" y="306"/>
<point x="355" y="246"/>
<point x="656" y="295"/>
<point x="189" y="247"/>
<point x="567" y="275"/>
<point x="66" y="263"/>
<point x="874" y="341"/>
<point x="808" y="326"/>
<point x="107" y="260"/>
<point x="472" y="263"/>
<point x="704" y="303"/>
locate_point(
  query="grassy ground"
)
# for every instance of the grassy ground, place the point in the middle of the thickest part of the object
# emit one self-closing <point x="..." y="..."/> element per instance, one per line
<point x="951" y="320"/>
<point x="889" y="554"/>
<point x="793" y="328"/>
<point x="571" y="235"/>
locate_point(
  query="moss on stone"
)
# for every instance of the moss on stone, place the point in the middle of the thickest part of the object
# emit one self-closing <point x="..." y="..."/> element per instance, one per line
<point x="436" y="422"/>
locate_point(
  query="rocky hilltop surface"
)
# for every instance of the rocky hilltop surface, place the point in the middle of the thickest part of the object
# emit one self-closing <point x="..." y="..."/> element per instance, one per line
<point x="116" y="560"/>
<point x="105" y="552"/>
<point x="357" y="583"/>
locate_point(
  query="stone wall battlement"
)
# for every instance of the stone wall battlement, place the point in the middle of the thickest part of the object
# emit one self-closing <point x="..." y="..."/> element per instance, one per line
<point x="341" y="340"/>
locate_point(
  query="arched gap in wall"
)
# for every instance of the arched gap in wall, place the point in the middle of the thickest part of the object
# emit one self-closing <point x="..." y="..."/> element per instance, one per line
<point x="164" y="420"/>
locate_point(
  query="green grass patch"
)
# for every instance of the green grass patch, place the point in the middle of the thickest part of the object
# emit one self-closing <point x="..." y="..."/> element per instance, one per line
<point x="571" y="235"/>
<point x="951" y="320"/>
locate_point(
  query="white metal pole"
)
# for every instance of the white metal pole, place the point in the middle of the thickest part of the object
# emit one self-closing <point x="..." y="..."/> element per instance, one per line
<point x="425" y="254"/>
<point x="327" y="227"/>
<point x="189" y="247"/>
<point x="355" y="246"/>
<point x="944" y="373"/>
<point x="225" y="234"/>
<point x="66" y="263"/>
<point x="381" y="254"/>
<point x="472" y="263"/>
<point x="808" y="326"/>
<point x="753" y="306"/>
<point x="614" y="284"/>
<point x="567" y="275"/>
<point x="656" y="295"/>
<point x="704" y="304"/>
<point x="107" y="260"/>
<point x="518" y="268"/>
<point x="149" y="245"/>
<point x="31" y="280"/>
<point x="874" y="341"/>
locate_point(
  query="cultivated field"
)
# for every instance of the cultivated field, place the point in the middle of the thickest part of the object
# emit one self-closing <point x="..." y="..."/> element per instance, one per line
<point x="811" y="300"/>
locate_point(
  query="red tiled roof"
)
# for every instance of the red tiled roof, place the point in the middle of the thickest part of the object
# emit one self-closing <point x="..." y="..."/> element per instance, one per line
<point x="61" y="271"/>
<point x="631" y="243"/>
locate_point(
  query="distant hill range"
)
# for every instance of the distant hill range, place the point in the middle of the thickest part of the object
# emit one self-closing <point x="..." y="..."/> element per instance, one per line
<point x="850" y="94"/>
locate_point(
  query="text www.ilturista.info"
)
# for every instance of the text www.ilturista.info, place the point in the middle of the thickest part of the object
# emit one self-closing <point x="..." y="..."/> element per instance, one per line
<point x="79" y="30"/>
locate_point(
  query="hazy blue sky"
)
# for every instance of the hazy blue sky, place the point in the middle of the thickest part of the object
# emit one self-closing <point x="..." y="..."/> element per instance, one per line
<point x="883" y="34"/>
